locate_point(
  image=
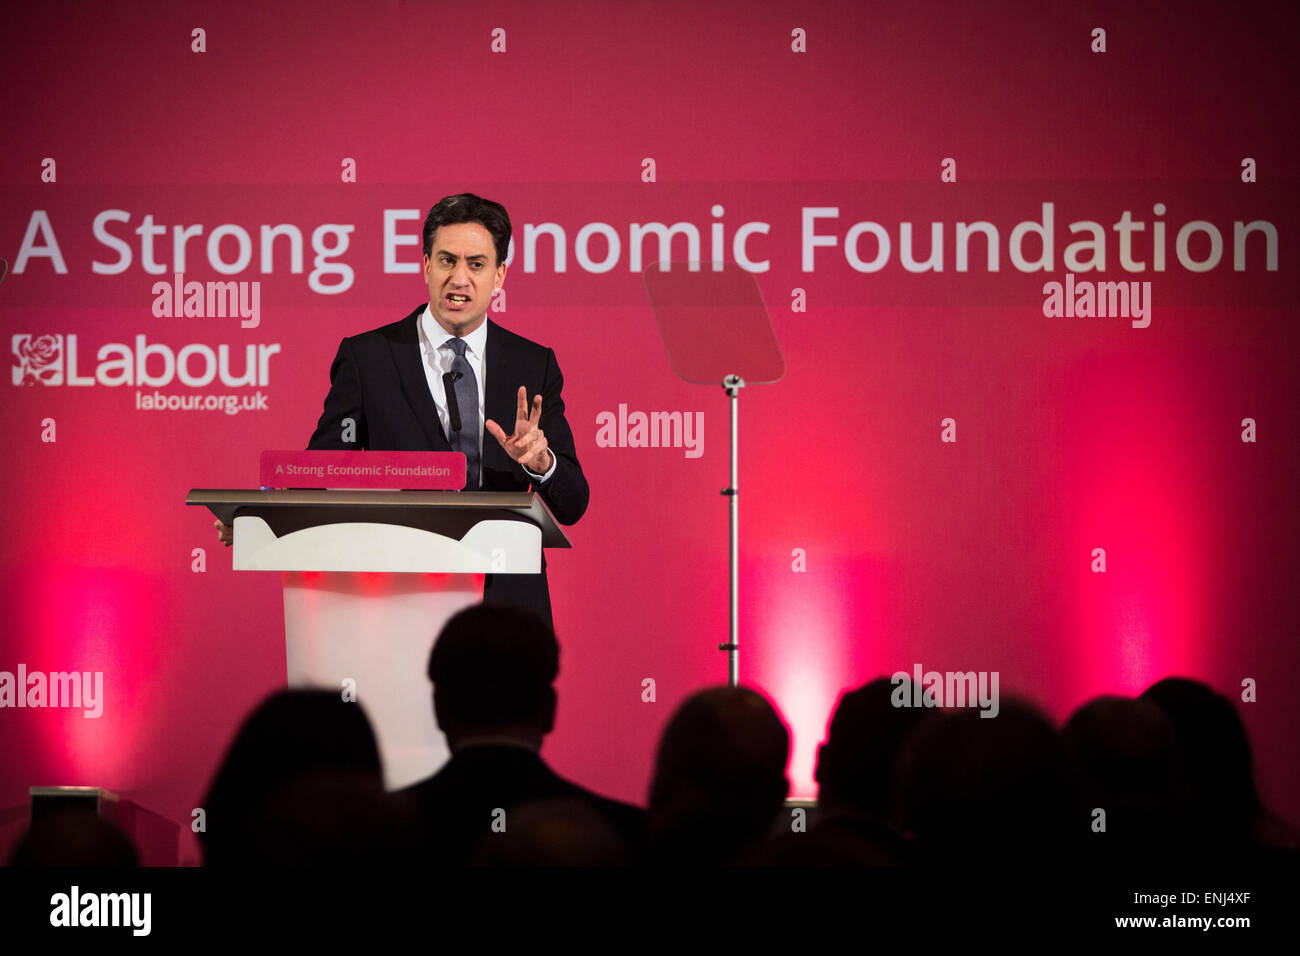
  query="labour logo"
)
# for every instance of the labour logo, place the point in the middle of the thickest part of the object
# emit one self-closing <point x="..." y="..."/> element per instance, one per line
<point x="38" y="358"/>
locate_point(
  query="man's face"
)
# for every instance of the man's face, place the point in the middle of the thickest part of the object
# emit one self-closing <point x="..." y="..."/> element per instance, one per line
<point x="462" y="274"/>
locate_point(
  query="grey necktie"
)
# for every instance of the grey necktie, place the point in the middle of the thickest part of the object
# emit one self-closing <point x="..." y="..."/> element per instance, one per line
<point x="466" y="440"/>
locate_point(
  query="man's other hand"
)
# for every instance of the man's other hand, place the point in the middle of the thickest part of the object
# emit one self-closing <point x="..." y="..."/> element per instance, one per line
<point x="528" y="444"/>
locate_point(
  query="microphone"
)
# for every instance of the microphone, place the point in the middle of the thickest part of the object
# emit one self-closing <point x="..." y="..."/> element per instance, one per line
<point x="449" y="380"/>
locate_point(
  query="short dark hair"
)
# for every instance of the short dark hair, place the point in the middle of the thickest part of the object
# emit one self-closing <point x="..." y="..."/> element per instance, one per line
<point x="719" y="775"/>
<point x="866" y="734"/>
<point x="293" y="736"/>
<point x="494" y="664"/>
<point x="466" y="207"/>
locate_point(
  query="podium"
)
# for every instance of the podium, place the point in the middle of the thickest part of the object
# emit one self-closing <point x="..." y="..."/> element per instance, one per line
<point x="370" y="577"/>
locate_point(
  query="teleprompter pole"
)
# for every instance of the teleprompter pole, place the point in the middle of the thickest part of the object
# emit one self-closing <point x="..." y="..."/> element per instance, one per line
<point x="733" y="384"/>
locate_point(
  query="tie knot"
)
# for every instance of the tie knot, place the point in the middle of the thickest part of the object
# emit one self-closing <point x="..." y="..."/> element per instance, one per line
<point x="456" y="345"/>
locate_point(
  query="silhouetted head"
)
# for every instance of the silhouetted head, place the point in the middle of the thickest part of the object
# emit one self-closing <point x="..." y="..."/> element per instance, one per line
<point x="493" y="667"/>
<point x="76" y="837"/>
<point x="994" y="786"/>
<point x="293" y="734"/>
<point x="1125" y="755"/>
<point x="855" y="766"/>
<point x="719" y="777"/>
<point x="1215" y="768"/>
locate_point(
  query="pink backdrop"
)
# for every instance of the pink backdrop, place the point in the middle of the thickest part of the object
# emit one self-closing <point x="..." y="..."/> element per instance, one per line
<point x="1073" y="433"/>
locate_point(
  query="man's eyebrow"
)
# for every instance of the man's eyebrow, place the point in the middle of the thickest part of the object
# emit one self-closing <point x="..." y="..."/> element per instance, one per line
<point x="478" y="255"/>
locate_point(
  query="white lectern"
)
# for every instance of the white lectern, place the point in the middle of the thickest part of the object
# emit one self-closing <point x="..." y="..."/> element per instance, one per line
<point x="370" y="577"/>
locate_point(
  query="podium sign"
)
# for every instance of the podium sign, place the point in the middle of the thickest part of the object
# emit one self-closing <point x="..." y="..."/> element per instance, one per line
<point x="397" y="470"/>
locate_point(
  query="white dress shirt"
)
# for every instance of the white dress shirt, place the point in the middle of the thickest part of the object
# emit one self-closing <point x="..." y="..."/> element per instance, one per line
<point x="437" y="361"/>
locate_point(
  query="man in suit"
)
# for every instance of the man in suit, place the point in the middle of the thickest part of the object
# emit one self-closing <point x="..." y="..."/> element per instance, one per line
<point x="389" y="388"/>
<point x="493" y="669"/>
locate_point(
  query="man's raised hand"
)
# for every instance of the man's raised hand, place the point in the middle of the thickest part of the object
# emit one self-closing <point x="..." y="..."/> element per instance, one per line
<point x="527" y="445"/>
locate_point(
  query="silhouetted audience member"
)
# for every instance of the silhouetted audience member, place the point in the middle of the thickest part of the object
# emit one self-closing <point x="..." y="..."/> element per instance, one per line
<point x="324" y="817"/>
<point x="1220" y="810"/>
<point x="493" y="668"/>
<point x="855" y="766"/>
<point x="556" y="831"/>
<point x="74" y="838"/>
<point x="301" y="783"/>
<point x="719" y="778"/>
<point x="853" y="821"/>
<point x="1124" y="754"/>
<point x="980" y="791"/>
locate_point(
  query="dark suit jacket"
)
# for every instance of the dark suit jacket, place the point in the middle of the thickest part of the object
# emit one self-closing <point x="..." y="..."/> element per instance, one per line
<point x="377" y="379"/>
<point x="454" y="807"/>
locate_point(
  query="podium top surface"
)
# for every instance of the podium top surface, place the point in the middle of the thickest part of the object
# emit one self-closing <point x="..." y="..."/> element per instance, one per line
<point x="225" y="503"/>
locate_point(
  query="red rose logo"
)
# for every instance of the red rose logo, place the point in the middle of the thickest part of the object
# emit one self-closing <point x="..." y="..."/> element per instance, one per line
<point x="40" y="359"/>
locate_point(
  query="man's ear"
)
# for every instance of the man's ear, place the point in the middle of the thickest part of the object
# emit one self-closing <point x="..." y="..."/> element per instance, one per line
<point x="501" y="276"/>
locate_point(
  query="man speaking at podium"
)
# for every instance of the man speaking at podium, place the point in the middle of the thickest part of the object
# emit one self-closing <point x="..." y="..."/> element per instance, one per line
<point x="447" y="378"/>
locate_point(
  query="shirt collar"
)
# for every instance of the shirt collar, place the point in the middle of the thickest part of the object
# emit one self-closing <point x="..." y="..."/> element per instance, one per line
<point x="435" y="336"/>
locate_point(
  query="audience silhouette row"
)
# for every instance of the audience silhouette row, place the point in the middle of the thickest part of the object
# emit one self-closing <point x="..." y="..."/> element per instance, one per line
<point x="1163" y="779"/>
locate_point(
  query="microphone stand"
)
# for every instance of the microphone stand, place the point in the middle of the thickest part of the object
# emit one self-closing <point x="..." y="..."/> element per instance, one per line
<point x="453" y="407"/>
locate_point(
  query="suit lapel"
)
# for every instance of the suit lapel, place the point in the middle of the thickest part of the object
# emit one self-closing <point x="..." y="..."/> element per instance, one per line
<point x="415" y="386"/>
<point x="500" y="396"/>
